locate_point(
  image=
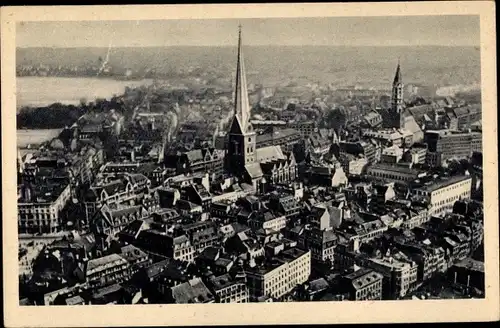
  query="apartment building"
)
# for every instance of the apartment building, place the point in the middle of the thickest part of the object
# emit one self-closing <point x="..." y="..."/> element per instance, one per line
<point x="280" y="274"/>
<point x="443" y="193"/>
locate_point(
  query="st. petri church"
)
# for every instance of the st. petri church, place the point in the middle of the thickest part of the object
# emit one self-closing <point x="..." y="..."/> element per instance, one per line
<point x="259" y="167"/>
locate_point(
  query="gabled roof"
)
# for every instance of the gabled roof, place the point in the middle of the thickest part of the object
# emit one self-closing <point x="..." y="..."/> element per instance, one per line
<point x="104" y="262"/>
<point x="132" y="230"/>
<point x="137" y="178"/>
<point x="112" y="187"/>
<point x="193" y="291"/>
<point x="210" y="253"/>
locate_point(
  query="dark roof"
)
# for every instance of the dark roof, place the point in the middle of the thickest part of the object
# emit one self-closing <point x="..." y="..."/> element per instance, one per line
<point x="192" y="291"/>
<point x="318" y="285"/>
<point x="209" y="253"/>
<point x="276" y="135"/>
<point x="107" y="290"/>
<point x="223" y="281"/>
<point x="363" y="277"/>
<point x="238" y="227"/>
<point x="132" y="253"/>
<point x="223" y="262"/>
<point x="113" y="187"/>
<point x="156" y="268"/>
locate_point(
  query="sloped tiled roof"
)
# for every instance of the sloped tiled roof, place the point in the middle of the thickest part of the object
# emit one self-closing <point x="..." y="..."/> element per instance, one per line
<point x="193" y="291"/>
<point x="104" y="262"/>
<point x="254" y="170"/>
<point x="269" y="153"/>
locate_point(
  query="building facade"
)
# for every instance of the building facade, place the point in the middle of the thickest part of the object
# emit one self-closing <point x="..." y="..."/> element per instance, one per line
<point x="276" y="279"/>
<point x="447" y="144"/>
<point x="41" y="214"/>
<point x="442" y="194"/>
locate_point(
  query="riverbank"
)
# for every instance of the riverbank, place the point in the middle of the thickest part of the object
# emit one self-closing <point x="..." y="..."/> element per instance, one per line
<point x="35" y="91"/>
<point x="27" y="137"/>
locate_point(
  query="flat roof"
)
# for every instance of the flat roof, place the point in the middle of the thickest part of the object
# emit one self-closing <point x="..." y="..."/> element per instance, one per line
<point x="285" y="256"/>
<point x="438" y="184"/>
<point x="394" y="168"/>
<point x="471" y="264"/>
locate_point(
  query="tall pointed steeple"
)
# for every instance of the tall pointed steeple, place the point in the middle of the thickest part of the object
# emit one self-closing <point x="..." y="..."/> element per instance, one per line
<point x="397" y="77"/>
<point x="241" y="146"/>
<point x="397" y="96"/>
<point x="241" y="103"/>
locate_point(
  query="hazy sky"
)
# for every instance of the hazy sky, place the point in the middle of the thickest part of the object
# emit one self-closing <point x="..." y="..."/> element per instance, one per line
<point x="383" y="31"/>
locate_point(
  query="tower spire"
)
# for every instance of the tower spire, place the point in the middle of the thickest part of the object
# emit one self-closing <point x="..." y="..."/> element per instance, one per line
<point x="397" y="77"/>
<point x="241" y="103"/>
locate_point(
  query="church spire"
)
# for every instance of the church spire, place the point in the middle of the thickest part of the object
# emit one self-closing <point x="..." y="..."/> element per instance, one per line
<point x="241" y="103"/>
<point x="397" y="77"/>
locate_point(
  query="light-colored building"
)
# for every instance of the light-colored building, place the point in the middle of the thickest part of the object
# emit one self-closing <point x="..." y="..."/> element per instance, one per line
<point x="443" y="193"/>
<point x="39" y="207"/>
<point x="356" y="167"/>
<point x="280" y="274"/>
<point x="416" y="155"/>
<point x="392" y="154"/>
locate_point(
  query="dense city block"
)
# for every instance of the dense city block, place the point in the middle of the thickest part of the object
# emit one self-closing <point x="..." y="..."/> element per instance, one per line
<point x="172" y="195"/>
